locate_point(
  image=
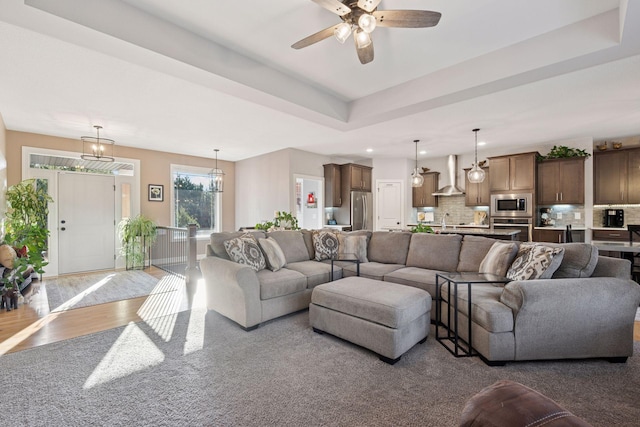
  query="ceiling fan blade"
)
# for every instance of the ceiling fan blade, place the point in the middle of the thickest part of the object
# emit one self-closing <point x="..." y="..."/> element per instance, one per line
<point x="314" y="38"/>
<point x="407" y="18"/>
<point x="333" y="6"/>
<point x="368" y="5"/>
<point x="365" y="55"/>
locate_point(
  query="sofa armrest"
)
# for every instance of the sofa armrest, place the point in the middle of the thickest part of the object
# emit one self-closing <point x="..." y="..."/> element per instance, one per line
<point x="233" y="290"/>
<point x="613" y="267"/>
<point x="573" y="318"/>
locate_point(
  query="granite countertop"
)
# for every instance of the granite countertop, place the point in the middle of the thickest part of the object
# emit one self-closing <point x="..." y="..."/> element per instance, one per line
<point x="480" y="231"/>
<point x="610" y="228"/>
<point x="451" y="225"/>
<point x="573" y="227"/>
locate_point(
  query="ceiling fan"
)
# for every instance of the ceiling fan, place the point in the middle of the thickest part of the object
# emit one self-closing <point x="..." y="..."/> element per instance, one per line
<point x="361" y="17"/>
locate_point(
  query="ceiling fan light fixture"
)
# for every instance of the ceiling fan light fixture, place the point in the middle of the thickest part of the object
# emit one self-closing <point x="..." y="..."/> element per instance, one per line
<point x="476" y="174"/>
<point x="362" y="39"/>
<point x="342" y="32"/>
<point x="367" y="22"/>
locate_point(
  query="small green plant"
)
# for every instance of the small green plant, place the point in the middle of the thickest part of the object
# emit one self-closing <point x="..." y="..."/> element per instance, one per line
<point x="422" y="228"/>
<point x="282" y="221"/>
<point x="563" y="152"/>
<point x="137" y="235"/>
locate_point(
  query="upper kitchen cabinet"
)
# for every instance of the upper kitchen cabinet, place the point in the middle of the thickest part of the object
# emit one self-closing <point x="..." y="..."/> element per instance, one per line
<point x="616" y="177"/>
<point x="358" y="177"/>
<point x="477" y="194"/>
<point x="513" y="173"/>
<point x="561" y="181"/>
<point x="332" y="182"/>
<point x="423" y="196"/>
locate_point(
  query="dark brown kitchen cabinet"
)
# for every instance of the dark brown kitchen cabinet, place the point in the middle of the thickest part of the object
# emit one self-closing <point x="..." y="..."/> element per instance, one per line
<point x="616" y="177"/>
<point x="477" y="194"/>
<point x="616" y="235"/>
<point x="561" y="181"/>
<point x="332" y="182"/>
<point x="513" y="173"/>
<point x="358" y="177"/>
<point x="556" y="236"/>
<point x="423" y="196"/>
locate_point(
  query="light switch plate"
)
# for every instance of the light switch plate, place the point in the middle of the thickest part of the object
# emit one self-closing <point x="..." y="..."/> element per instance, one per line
<point x="559" y="215"/>
<point x="576" y="215"/>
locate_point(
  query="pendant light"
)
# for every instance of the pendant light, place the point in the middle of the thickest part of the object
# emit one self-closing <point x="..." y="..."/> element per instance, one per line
<point x="416" y="178"/>
<point x="96" y="148"/>
<point x="476" y="174"/>
<point x="216" y="176"/>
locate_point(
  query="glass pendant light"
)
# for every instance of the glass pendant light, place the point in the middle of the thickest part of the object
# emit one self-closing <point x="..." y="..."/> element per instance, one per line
<point x="476" y="174"/>
<point x="416" y="178"/>
<point x="216" y="176"/>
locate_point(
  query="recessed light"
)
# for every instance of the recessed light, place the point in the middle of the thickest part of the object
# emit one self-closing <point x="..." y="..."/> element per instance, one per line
<point x="482" y="143"/>
<point x="369" y="150"/>
<point x="423" y="152"/>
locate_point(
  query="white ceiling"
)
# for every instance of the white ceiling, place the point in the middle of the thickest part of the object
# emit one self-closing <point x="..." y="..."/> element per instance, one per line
<point x="195" y="75"/>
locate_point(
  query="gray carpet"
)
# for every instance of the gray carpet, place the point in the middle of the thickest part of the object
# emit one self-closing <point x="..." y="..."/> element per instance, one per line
<point x="280" y="374"/>
<point x="76" y="291"/>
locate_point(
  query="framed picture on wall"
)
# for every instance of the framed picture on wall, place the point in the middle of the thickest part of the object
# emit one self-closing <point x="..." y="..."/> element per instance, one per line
<point x="156" y="193"/>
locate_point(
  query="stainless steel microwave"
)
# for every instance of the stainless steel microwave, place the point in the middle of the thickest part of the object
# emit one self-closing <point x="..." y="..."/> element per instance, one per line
<point x="511" y="205"/>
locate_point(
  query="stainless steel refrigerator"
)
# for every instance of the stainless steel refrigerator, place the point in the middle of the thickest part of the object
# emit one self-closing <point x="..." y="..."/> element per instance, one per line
<point x="358" y="212"/>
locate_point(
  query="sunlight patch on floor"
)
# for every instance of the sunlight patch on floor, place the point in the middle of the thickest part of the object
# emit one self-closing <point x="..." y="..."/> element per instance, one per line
<point x="133" y="351"/>
<point x="194" y="340"/>
<point x="160" y="309"/>
<point x="75" y="300"/>
<point x="9" y="343"/>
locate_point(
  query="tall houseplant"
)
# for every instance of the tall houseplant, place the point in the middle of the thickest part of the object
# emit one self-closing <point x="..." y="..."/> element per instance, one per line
<point x="137" y="235"/>
<point x="25" y="224"/>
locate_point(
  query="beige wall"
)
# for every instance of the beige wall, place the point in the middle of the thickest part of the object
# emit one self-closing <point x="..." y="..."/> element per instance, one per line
<point x="3" y="167"/>
<point x="155" y="168"/>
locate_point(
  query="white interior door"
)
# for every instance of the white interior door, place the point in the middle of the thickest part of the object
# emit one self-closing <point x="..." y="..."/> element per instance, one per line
<point x="86" y="222"/>
<point x="390" y="205"/>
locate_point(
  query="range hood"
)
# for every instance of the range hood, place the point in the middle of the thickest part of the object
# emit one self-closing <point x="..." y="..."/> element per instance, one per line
<point x="451" y="189"/>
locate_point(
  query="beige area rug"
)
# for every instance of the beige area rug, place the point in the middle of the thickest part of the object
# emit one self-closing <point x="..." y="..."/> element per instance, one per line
<point x="67" y="292"/>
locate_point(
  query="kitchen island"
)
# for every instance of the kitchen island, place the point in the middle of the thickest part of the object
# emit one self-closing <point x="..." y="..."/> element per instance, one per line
<point x="498" y="233"/>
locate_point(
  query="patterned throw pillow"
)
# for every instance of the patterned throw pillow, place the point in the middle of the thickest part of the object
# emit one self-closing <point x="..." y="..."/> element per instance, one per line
<point x="325" y="244"/>
<point x="499" y="258"/>
<point x="272" y="250"/>
<point x="535" y="261"/>
<point x="355" y="246"/>
<point x="245" y="250"/>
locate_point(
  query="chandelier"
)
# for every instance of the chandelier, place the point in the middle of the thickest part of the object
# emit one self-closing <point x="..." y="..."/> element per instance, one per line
<point x="96" y="148"/>
<point x="216" y="176"/>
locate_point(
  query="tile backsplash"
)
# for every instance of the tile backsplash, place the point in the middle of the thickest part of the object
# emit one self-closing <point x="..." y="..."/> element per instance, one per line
<point x="455" y="207"/>
<point x="631" y="215"/>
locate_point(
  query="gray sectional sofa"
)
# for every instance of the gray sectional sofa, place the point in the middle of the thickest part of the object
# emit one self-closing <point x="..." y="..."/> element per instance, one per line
<point x="585" y="310"/>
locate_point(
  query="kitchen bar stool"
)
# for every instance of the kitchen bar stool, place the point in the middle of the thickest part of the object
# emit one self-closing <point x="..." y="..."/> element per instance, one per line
<point x="634" y="236"/>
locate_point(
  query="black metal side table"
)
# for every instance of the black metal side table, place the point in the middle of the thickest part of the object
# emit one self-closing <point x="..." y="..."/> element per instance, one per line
<point x="452" y="340"/>
<point x="345" y="257"/>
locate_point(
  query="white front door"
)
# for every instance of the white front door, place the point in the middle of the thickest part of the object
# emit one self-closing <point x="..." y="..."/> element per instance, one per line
<point x="86" y="222"/>
<point x="390" y="205"/>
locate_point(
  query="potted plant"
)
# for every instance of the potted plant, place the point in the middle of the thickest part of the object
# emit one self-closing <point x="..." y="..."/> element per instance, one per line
<point x="25" y="226"/>
<point x="282" y="221"/>
<point x="137" y="235"/>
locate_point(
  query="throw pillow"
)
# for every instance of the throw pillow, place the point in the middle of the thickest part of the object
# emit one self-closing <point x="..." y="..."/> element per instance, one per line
<point x="353" y="246"/>
<point x="7" y="256"/>
<point x="499" y="258"/>
<point x="245" y="250"/>
<point x="535" y="261"/>
<point x="325" y="244"/>
<point x="275" y="257"/>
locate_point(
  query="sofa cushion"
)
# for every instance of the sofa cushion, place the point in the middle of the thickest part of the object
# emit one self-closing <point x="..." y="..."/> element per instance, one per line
<point x="508" y="403"/>
<point x="292" y="244"/>
<point x="486" y="308"/>
<point x="535" y="261"/>
<point x="416" y="277"/>
<point x="316" y="272"/>
<point x="216" y="241"/>
<point x="245" y="250"/>
<point x="579" y="260"/>
<point x="325" y="244"/>
<point x="370" y="270"/>
<point x="273" y="253"/>
<point x="472" y="252"/>
<point x="353" y="245"/>
<point x="499" y="258"/>
<point x="434" y="251"/>
<point x="274" y="284"/>
<point x="307" y="235"/>
<point x="389" y="247"/>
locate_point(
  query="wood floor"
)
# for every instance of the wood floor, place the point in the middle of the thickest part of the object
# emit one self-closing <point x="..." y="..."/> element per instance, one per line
<point x="32" y="324"/>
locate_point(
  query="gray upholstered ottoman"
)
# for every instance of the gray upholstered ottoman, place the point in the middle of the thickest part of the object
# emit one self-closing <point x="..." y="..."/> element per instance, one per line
<point x="386" y="318"/>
